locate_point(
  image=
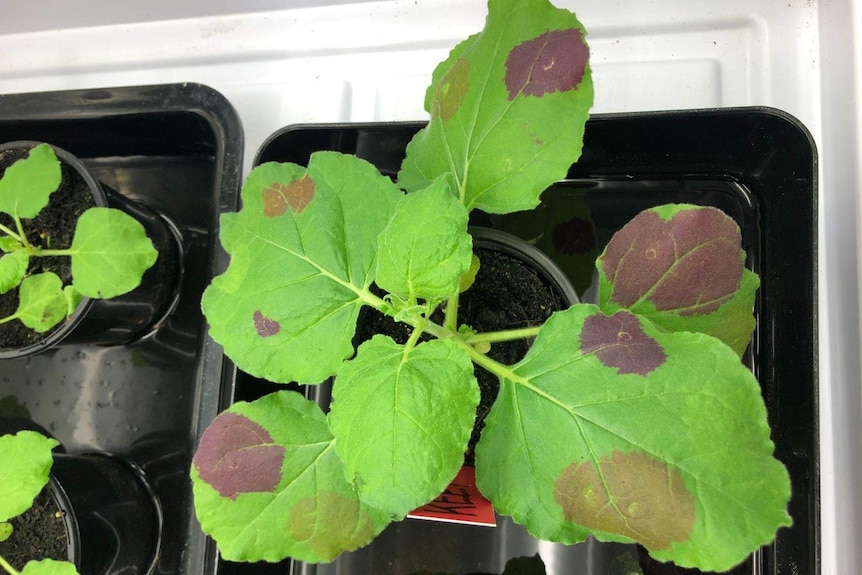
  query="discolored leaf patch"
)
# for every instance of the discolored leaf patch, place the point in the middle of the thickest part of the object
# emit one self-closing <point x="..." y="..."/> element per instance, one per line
<point x="619" y="341"/>
<point x="690" y="263"/>
<point x="236" y="455"/>
<point x="295" y="196"/>
<point x="451" y="90"/>
<point x="329" y="523"/>
<point x="265" y="326"/>
<point x="631" y="494"/>
<point x="552" y="62"/>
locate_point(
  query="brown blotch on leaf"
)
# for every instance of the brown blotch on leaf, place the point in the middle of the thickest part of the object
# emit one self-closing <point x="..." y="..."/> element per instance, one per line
<point x="552" y="62"/>
<point x="690" y="263"/>
<point x="236" y="455"/>
<point x="451" y="89"/>
<point x="265" y="326"/>
<point x="278" y="197"/>
<point x="329" y="524"/>
<point x="631" y="494"/>
<point x="619" y="341"/>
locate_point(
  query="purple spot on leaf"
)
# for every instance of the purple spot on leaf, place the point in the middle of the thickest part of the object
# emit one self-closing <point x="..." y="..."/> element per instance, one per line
<point x="573" y="237"/>
<point x="265" y="327"/>
<point x="552" y="62"/>
<point x="619" y="341"/>
<point x="690" y="263"/>
<point x="236" y="455"/>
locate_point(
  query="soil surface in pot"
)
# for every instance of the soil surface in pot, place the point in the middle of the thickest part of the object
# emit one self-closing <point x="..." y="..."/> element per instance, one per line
<point x="53" y="227"/>
<point x="507" y="294"/>
<point x="38" y="533"/>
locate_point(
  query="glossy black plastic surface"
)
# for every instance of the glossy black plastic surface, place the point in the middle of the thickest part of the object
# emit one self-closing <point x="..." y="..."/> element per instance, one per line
<point x="759" y="166"/>
<point x="119" y="517"/>
<point x="176" y="149"/>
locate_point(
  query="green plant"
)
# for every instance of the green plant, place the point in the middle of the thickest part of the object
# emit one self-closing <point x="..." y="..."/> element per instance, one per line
<point x="633" y="420"/>
<point x="25" y="463"/>
<point x="109" y="253"/>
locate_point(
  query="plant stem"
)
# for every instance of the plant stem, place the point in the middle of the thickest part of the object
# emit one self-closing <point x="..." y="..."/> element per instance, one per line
<point x="5" y="564"/>
<point x="22" y="237"/>
<point x="414" y="337"/>
<point x="450" y="322"/>
<point x="478" y="358"/>
<point x="55" y="253"/>
<point x="9" y="232"/>
<point x="507" y="335"/>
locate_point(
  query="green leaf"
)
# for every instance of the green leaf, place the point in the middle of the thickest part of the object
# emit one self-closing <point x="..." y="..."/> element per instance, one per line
<point x="41" y="303"/>
<point x="25" y="462"/>
<point x="110" y="253"/>
<point x="73" y="299"/>
<point x="6" y="530"/>
<point x="49" y="567"/>
<point x="466" y="280"/>
<point x="425" y="248"/>
<point x="28" y="183"/>
<point x="402" y="418"/>
<point x="303" y="255"/>
<point x="633" y="433"/>
<point x="268" y="484"/>
<point x="682" y="267"/>
<point x="508" y="109"/>
<point x="9" y="244"/>
<point x="13" y="267"/>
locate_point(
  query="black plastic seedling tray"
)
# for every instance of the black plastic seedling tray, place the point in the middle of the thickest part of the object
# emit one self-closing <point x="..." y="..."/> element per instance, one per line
<point x="177" y="149"/>
<point x="759" y="166"/>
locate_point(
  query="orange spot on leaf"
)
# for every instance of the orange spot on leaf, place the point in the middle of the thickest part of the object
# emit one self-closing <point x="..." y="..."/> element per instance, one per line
<point x="295" y="196"/>
<point x="329" y="524"/>
<point x="631" y="494"/>
<point x="451" y="90"/>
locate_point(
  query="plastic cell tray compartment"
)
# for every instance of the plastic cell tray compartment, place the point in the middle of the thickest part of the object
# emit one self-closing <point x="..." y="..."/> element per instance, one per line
<point x="177" y="149"/>
<point x="759" y="165"/>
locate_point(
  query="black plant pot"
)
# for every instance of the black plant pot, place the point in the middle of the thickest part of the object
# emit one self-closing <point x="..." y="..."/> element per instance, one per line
<point x="759" y="166"/>
<point x="48" y="530"/>
<point x="117" y="514"/>
<point x="128" y="317"/>
<point x="176" y="149"/>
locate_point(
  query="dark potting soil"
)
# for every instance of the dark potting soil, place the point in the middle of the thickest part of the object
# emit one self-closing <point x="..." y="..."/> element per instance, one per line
<point x="38" y="533"/>
<point x="53" y="227"/>
<point x="505" y="295"/>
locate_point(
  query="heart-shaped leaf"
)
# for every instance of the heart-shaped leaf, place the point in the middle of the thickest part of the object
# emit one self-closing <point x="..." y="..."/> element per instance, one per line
<point x="402" y="418"/>
<point x="303" y="254"/>
<point x="28" y="183"/>
<point x="110" y="253"/>
<point x="41" y="302"/>
<point x="681" y="266"/>
<point x="268" y="484"/>
<point x="49" y="567"/>
<point x="425" y="249"/>
<point x="13" y="267"/>
<point x="25" y="462"/>
<point x="612" y="427"/>
<point x="508" y="109"/>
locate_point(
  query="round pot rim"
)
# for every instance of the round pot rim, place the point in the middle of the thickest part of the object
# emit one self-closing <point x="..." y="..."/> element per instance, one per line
<point x="70" y="520"/>
<point x="491" y="238"/>
<point x="69" y="324"/>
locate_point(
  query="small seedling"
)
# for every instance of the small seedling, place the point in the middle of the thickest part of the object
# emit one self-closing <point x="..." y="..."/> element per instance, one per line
<point x="25" y="464"/>
<point x="109" y="253"/>
<point x="630" y="420"/>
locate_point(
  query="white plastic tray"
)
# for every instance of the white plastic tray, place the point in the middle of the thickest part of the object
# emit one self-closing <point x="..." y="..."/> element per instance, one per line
<point x="286" y="62"/>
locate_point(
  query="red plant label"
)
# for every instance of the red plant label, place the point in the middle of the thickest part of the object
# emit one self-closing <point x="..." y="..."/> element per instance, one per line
<point x="461" y="502"/>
